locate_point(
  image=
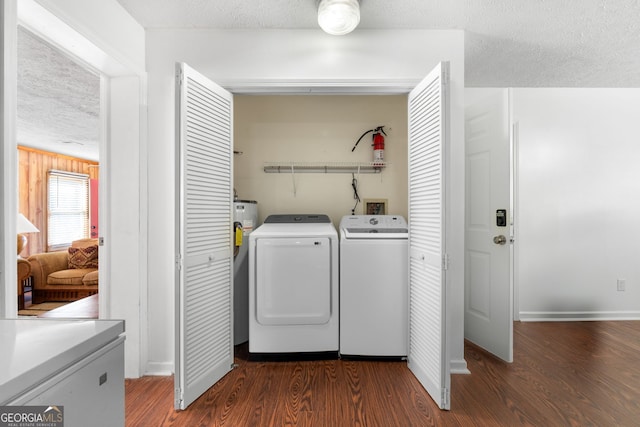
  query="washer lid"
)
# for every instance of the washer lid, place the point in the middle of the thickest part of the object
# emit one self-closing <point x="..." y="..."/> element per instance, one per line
<point x="374" y="227"/>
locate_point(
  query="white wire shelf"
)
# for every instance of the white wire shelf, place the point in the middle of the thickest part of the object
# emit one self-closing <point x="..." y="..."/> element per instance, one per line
<point x="324" y="167"/>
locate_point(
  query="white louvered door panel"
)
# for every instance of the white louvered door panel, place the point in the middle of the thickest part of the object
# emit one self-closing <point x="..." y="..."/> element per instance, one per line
<point x="204" y="264"/>
<point x="428" y="132"/>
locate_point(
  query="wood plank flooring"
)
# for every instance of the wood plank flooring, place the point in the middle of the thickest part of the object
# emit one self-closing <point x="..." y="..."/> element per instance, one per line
<point x="564" y="374"/>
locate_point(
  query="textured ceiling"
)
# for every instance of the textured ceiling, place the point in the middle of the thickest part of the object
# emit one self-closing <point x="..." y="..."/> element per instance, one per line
<point x="509" y="43"/>
<point x="58" y="100"/>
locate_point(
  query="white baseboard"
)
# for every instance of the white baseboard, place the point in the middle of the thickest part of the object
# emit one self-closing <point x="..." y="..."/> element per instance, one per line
<point x="159" y="369"/>
<point x="577" y="316"/>
<point x="459" y="367"/>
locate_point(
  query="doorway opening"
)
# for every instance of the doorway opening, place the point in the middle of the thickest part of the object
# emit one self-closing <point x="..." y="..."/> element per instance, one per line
<point x="58" y="134"/>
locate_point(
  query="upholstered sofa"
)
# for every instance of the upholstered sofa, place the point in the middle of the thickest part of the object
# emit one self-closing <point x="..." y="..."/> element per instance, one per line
<point x="24" y="271"/>
<point x="66" y="275"/>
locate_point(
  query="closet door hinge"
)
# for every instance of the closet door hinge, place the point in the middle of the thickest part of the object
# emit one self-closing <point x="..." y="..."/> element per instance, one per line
<point x="446" y="396"/>
<point x="179" y="76"/>
<point x="178" y="398"/>
<point x="445" y="262"/>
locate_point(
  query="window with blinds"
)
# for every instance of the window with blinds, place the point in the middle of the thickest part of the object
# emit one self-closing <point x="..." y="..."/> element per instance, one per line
<point x="67" y="207"/>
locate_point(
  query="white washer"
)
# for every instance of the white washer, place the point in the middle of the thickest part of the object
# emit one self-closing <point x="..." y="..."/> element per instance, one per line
<point x="373" y="286"/>
<point x="293" y="285"/>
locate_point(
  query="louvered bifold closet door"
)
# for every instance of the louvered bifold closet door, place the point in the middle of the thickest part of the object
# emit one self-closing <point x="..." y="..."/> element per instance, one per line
<point x="204" y="264"/>
<point x="428" y="358"/>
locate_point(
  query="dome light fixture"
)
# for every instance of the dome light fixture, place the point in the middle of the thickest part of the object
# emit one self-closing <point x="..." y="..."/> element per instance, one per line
<point x="338" y="17"/>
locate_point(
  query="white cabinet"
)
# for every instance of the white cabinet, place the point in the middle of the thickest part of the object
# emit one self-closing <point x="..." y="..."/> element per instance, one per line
<point x="78" y="365"/>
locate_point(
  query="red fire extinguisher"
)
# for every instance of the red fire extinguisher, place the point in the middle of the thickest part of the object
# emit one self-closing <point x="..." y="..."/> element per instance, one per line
<point x="378" y="144"/>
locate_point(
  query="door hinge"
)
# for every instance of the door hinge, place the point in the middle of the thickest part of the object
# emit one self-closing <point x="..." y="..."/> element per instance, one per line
<point x="100" y="241"/>
<point x="178" y="262"/>
<point x="446" y="396"/>
<point x="178" y="398"/>
<point x="445" y="73"/>
<point x="445" y="261"/>
<point x="180" y="76"/>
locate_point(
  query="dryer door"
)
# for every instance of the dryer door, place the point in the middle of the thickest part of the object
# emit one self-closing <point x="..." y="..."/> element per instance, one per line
<point x="293" y="281"/>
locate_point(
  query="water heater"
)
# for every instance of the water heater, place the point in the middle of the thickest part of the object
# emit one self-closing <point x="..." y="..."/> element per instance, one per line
<point x="245" y="219"/>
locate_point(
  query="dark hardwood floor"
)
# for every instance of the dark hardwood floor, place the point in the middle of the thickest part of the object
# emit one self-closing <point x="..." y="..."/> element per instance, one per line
<point x="564" y="374"/>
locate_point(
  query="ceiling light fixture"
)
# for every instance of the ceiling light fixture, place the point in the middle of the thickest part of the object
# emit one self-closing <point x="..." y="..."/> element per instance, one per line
<point x="338" y="17"/>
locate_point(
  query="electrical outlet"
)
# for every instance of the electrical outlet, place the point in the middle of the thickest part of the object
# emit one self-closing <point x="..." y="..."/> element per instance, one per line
<point x="622" y="285"/>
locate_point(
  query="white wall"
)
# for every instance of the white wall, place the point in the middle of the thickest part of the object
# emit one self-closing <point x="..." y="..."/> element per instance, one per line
<point x="105" y="24"/>
<point x="578" y="203"/>
<point x="305" y="57"/>
<point x="317" y="129"/>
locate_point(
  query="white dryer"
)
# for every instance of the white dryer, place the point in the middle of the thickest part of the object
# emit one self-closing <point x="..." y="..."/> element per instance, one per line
<point x="293" y="285"/>
<point x="374" y="286"/>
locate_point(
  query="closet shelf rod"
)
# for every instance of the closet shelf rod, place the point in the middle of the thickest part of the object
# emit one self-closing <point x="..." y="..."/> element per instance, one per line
<point x="352" y="168"/>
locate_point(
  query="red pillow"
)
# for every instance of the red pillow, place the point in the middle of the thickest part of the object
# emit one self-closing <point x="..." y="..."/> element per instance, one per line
<point x="83" y="257"/>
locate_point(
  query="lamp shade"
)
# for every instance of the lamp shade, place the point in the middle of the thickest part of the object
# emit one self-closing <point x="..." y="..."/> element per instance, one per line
<point x="338" y="17"/>
<point x="23" y="225"/>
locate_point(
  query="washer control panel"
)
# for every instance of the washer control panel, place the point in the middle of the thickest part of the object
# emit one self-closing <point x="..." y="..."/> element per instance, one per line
<point x="380" y="226"/>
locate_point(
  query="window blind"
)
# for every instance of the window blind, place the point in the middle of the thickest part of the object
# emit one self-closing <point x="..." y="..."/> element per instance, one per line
<point x="68" y="208"/>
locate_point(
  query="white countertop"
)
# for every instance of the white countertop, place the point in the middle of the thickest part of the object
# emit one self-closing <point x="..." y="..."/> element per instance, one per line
<point x="32" y="350"/>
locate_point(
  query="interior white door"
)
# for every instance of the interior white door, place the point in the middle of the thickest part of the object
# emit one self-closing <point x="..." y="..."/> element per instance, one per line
<point x="204" y="261"/>
<point x="488" y="288"/>
<point x="428" y="356"/>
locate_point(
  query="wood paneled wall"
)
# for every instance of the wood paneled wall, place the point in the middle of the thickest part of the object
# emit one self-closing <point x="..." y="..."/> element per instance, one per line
<point x="33" y="166"/>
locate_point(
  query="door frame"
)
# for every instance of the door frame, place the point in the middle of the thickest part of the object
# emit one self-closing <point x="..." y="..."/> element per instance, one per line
<point x="9" y="158"/>
<point x="514" y="130"/>
<point x="51" y="27"/>
<point x="46" y="25"/>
